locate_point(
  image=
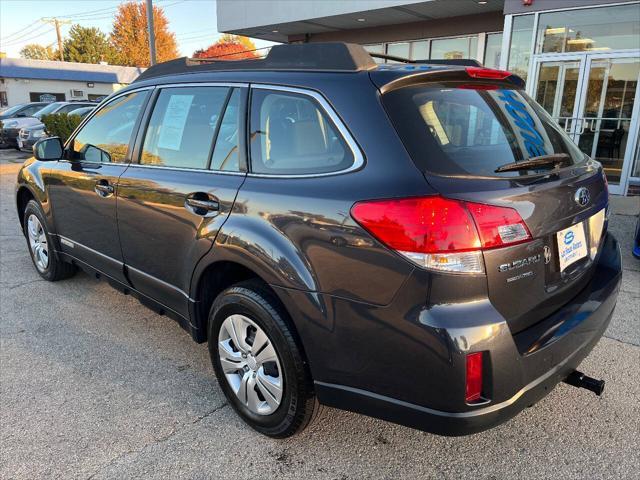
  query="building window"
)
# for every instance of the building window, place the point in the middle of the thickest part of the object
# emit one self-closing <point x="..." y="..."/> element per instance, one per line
<point x="589" y="30"/>
<point x="492" y="49"/>
<point x="46" y="97"/>
<point x="399" y="49"/>
<point x="3" y="99"/>
<point x="454" y="48"/>
<point x="376" y="48"/>
<point x="441" y="49"/>
<point x="420" y="50"/>
<point x="520" y="51"/>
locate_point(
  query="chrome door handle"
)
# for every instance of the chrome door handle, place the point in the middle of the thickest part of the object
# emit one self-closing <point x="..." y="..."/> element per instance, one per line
<point x="103" y="188"/>
<point x="202" y="204"/>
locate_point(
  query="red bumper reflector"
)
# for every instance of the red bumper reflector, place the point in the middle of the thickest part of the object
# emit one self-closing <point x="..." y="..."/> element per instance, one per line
<point x="473" y="389"/>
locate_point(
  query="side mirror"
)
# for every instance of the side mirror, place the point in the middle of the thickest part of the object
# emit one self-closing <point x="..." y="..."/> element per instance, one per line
<point x="48" y="149"/>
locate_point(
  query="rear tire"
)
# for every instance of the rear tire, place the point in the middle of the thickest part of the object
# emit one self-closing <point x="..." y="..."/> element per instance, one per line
<point x="264" y="377"/>
<point x="45" y="260"/>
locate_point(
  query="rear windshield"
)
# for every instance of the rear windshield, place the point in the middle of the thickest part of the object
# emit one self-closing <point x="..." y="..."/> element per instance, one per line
<point x="472" y="129"/>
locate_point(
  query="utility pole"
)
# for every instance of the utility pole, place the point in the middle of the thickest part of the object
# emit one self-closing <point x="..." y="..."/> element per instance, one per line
<point x="57" y="23"/>
<point x="152" y="35"/>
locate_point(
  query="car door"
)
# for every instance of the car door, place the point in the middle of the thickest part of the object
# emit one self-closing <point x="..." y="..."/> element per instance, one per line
<point x="82" y="186"/>
<point x="173" y="200"/>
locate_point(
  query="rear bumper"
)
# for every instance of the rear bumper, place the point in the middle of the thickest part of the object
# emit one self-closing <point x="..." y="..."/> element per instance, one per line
<point x="522" y="368"/>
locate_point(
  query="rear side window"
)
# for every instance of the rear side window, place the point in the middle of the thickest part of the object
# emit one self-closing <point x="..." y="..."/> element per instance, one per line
<point x="292" y="135"/>
<point x="183" y="125"/>
<point x="453" y="129"/>
<point x="225" y="153"/>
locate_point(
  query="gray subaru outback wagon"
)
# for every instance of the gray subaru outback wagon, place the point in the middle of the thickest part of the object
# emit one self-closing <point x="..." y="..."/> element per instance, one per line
<point x="418" y="242"/>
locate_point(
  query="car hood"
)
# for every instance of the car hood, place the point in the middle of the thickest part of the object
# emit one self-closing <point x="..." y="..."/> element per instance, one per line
<point x="21" y="122"/>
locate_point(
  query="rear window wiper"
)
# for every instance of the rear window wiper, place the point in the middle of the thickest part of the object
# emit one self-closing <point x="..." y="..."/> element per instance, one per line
<point x="555" y="160"/>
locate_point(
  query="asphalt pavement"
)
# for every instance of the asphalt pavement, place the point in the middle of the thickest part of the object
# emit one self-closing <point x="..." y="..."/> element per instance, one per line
<point x="94" y="385"/>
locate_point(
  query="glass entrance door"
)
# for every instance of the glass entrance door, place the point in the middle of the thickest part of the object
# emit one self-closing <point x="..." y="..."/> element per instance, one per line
<point x="606" y="116"/>
<point x="595" y="98"/>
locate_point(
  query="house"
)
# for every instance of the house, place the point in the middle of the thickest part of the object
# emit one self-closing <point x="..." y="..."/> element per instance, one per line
<point x="23" y="80"/>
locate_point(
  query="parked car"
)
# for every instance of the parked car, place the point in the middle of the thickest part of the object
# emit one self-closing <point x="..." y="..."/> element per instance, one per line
<point x="17" y="111"/>
<point x="28" y="136"/>
<point x="21" y="110"/>
<point x="11" y="128"/>
<point x="420" y="243"/>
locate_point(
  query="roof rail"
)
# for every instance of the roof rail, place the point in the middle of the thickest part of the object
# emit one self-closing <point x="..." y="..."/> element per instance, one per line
<point x="329" y="56"/>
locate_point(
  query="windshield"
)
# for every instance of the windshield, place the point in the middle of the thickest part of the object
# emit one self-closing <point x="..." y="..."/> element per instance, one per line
<point x="46" y="110"/>
<point x="11" y="110"/>
<point x="472" y="129"/>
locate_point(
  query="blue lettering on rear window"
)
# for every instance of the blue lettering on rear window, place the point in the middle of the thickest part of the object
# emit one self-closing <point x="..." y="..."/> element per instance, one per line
<point x="533" y="141"/>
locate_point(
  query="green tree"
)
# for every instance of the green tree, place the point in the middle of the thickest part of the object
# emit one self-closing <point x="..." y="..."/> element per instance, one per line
<point x="34" y="51"/>
<point x="88" y="45"/>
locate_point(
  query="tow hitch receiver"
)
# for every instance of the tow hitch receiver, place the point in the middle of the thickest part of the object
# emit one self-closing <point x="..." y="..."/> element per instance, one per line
<point x="580" y="380"/>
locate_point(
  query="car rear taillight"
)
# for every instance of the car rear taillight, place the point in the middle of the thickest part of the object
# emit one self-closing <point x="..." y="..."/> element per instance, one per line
<point x="473" y="380"/>
<point x="498" y="226"/>
<point x="487" y="73"/>
<point x="440" y="233"/>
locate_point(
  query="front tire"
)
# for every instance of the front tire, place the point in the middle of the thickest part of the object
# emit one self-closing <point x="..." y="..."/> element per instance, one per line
<point x="44" y="258"/>
<point x="258" y="363"/>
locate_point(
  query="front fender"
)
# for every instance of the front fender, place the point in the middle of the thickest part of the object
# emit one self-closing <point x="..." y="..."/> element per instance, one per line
<point x="31" y="178"/>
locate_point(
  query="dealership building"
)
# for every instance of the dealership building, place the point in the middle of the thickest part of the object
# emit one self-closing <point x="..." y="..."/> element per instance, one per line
<point x="580" y="58"/>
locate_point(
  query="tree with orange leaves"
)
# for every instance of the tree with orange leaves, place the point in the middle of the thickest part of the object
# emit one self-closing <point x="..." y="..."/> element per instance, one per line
<point x="229" y="47"/>
<point x="131" y="40"/>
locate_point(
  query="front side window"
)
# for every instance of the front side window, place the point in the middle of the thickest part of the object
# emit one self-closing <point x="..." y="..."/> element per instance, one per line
<point x="106" y="137"/>
<point x="183" y="125"/>
<point x="292" y="135"/>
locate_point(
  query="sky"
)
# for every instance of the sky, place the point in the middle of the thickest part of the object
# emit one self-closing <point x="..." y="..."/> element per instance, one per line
<point x="193" y="21"/>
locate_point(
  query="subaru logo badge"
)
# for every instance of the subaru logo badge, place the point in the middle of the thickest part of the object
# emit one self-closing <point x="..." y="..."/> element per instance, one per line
<point x="582" y="197"/>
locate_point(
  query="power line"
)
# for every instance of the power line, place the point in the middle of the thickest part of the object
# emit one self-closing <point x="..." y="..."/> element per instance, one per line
<point x="100" y="13"/>
<point x="26" y="40"/>
<point x="18" y="31"/>
<point x="24" y="34"/>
